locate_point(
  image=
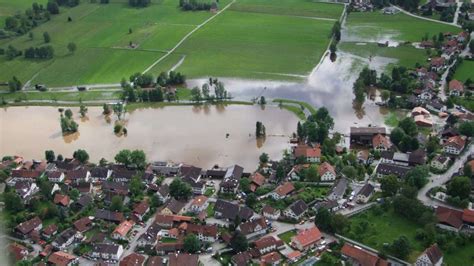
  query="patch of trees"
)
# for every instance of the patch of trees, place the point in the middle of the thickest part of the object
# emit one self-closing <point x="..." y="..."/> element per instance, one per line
<point x="69" y="3"/>
<point x="410" y="5"/>
<point x="405" y="135"/>
<point x="171" y="79"/>
<point x="367" y="77"/>
<point x="68" y="125"/>
<point x="104" y="1"/>
<point x="194" y="5"/>
<point x="180" y="190"/>
<point x="81" y="155"/>
<point x="330" y="222"/>
<point x="448" y="14"/>
<point x="316" y="128"/>
<point x="380" y="3"/>
<point x="260" y="130"/>
<point x="458" y="190"/>
<point x="43" y="52"/>
<point x="21" y="23"/>
<point x="131" y="159"/>
<point x="139" y="3"/>
<point x="11" y="52"/>
<point x="14" y="84"/>
<point x="400" y="81"/>
<point x="204" y="94"/>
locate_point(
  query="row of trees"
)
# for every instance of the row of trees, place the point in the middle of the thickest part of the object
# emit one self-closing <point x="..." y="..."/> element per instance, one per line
<point x="43" y="52"/>
<point x="194" y="5"/>
<point x="204" y="94"/>
<point x="32" y="17"/>
<point x="139" y="3"/>
<point x="147" y="80"/>
<point x="68" y="125"/>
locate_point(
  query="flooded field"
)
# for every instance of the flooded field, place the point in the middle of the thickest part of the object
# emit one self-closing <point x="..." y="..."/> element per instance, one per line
<point x="195" y="135"/>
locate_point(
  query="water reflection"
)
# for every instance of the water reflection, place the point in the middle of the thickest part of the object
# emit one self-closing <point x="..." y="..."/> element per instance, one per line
<point x="202" y="135"/>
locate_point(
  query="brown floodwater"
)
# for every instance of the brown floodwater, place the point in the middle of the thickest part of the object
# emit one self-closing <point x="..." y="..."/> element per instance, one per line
<point x="195" y="135"/>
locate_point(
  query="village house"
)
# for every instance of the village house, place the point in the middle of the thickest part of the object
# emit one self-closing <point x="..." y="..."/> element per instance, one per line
<point x="270" y="213"/>
<point x="150" y="237"/>
<point x="78" y="176"/>
<point x="26" y="190"/>
<point x="82" y="225"/>
<point x="199" y="204"/>
<point x="449" y="219"/>
<point x="309" y="154"/>
<point x="100" y="174"/>
<point x="431" y="256"/>
<point x="173" y="207"/>
<point x="64" y="239"/>
<point x="241" y="259"/>
<point x="296" y="210"/>
<point x="436" y="106"/>
<point x="155" y="261"/>
<point x="330" y="205"/>
<point x="282" y="191"/>
<point x="18" y="251"/>
<point x="165" y="168"/>
<point x="109" y="216"/>
<point x="25" y="228"/>
<point x="181" y="259"/>
<point x="456" y="88"/>
<point x="385" y="169"/>
<point x="306" y="239"/>
<point x="326" y="172"/>
<point x="364" y="157"/>
<point x="268" y="244"/>
<point x="272" y="258"/>
<point x="122" y="230"/>
<point x="55" y="176"/>
<point x="140" y="210"/>
<point x="454" y="145"/>
<point x="437" y="64"/>
<point x="381" y="143"/>
<point x="339" y="189"/>
<point x="62" y="200"/>
<point x="206" y="233"/>
<point x="165" y="221"/>
<point x="133" y="259"/>
<point x="49" y="231"/>
<point x="297" y="170"/>
<point x="167" y="248"/>
<point x="440" y="162"/>
<point x="231" y="180"/>
<point x="294" y="256"/>
<point x="364" y="135"/>
<point x="468" y="218"/>
<point x="358" y="256"/>
<point x="23" y="175"/>
<point x="256" y="181"/>
<point x="365" y="193"/>
<point x="163" y="193"/>
<point x="61" y="258"/>
<point x="83" y="201"/>
<point x="253" y="228"/>
<point x="107" y="251"/>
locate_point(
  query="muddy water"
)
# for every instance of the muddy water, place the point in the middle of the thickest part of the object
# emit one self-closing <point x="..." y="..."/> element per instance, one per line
<point x="195" y="135"/>
<point x="329" y="85"/>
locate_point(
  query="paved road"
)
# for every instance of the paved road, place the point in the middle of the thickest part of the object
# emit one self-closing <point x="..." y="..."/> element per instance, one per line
<point x="141" y="230"/>
<point x="429" y="19"/>
<point x="439" y="180"/>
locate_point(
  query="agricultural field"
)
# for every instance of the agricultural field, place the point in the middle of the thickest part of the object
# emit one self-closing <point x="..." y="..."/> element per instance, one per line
<point x="375" y="26"/>
<point x="406" y="55"/>
<point x="11" y="7"/>
<point x="251" y="39"/>
<point x="465" y="71"/>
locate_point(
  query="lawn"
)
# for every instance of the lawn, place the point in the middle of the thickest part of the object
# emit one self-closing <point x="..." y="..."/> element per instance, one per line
<point x="375" y="26"/>
<point x="460" y="256"/>
<point x="305" y="105"/>
<point x="286" y="236"/>
<point x="295" y="110"/>
<point x="406" y="55"/>
<point x="63" y="96"/>
<point x="210" y="210"/>
<point x="251" y="40"/>
<point x="309" y="194"/>
<point x="465" y="71"/>
<point x="209" y="192"/>
<point x="383" y="228"/>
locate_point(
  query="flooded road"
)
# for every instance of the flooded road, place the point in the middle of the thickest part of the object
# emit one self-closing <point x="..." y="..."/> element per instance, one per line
<point x="195" y="135"/>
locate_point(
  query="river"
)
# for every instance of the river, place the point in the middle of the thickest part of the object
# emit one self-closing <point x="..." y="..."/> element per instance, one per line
<point x="194" y="135"/>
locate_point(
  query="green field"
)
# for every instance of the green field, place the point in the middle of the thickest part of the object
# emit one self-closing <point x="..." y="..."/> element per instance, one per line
<point x="369" y="26"/>
<point x="63" y="96"/>
<point x="406" y="55"/>
<point x="465" y="71"/>
<point x="286" y="236"/>
<point x="252" y="39"/>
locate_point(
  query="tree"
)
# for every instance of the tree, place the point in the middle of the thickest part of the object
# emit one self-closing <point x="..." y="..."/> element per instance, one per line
<point x="196" y="94"/>
<point x="136" y="186"/>
<point x="13" y="202"/>
<point x="191" y="243"/>
<point x="260" y="129"/>
<point x="74" y="194"/>
<point x="46" y="37"/>
<point x="52" y="7"/>
<point x="349" y="171"/>
<point x="389" y="185"/>
<point x="264" y="158"/>
<point x="459" y="187"/>
<point x="401" y="247"/>
<point x="409" y="127"/>
<point x="467" y="128"/>
<point x="251" y="200"/>
<point x="396" y="135"/>
<point x="68" y="113"/>
<point x="180" y="190"/>
<point x="138" y="159"/>
<point x="385" y="95"/>
<point x="262" y="101"/>
<point x="239" y="242"/>
<point x="81" y="155"/>
<point x="116" y="203"/>
<point x="71" y="47"/>
<point x="14" y="84"/>
<point x="244" y="185"/>
<point x="31" y="35"/>
<point x="49" y="155"/>
<point x="123" y="157"/>
<point x="327" y="259"/>
<point x="83" y="110"/>
<point x="418" y="176"/>
<point x="323" y="219"/>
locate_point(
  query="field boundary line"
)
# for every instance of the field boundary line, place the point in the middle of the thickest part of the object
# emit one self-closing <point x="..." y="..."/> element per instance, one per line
<point x="427" y="19"/>
<point x="186" y="37"/>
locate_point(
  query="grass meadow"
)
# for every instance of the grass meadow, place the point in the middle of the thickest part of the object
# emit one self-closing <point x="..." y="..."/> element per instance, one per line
<point x="465" y="71"/>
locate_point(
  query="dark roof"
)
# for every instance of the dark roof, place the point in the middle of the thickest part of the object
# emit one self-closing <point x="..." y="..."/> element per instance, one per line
<point x="68" y="164"/>
<point x="154" y="261"/>
<point x="192" y="182"/>
<point x="298" y="207"/>
<point x="434" y="253"/>
<point x="109" y="215"/>
<point x="241" y="259"/>
<point x="190" y="171"/>
<point x="164" y="190"/>
<point x="367" y="130"/>
<point x="105" y="248"/>
<point x="175" y="206"/>
<point x="28" y="226"/>
<point x="417" y="157"/>
<point x="64" y="236"/>
<point x="54" y="174"/>
<point x="245" y="213"/>
<point x="84" y="200"/>
<point x="118" y="187"/>
<point x="25" y="174"/>
<point x="328" y="204"/>
<point x="388" y="155"/>
<point x="366" y="190"/>
<point x="251" y="226"/>
<point x="22" y="188"/>
<point x="100" y="172"/>
<point x="123" y="174"/>
<point x="234" y="172"/>
<point x="77" y="174"/>
<point x="340" y="187"/>
<point x="181" y="259"/>
<point x="388" y="169"/>
<point x="229" y="210"/>
<point x="215" y="173"/>
<point x="82" y="224"/>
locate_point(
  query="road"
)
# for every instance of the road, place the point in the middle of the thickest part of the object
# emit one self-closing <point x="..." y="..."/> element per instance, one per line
<point x="140" y="230"/>
<point x="186" y="37"/>
<point x="439" y="180"/>
<point x="429" y="19"/>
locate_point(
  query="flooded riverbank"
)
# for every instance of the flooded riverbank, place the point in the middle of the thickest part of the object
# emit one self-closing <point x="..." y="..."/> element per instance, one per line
<point x="195" y="135"/>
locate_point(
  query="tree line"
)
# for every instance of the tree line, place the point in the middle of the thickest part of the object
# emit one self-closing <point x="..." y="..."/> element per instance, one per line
<point x="204" y="94"/>
<point x="194" y="5"/>
<point x="42" y="52"/>
<point x="138" y="3"/>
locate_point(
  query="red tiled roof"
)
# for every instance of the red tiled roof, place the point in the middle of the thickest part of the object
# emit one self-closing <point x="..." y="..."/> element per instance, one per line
<point x="468" y="216"/>
<point x="199" y="201"/>
<point x="19" y="251"/>
<point x="285" y="189"/>
<point x="433" y="253"/>
<point x="307" y="152"/>
<point x="133" y="259"/>
<point x="457" y="141"/>
<point x="360" y="255"/>
<point x="141" y="208"/>
<point x="271" y="258"/>
<point x="61" y="199"/>
<point x="257" y="178"/>
<point x="326" y="167"/>
<point x="50" y="229"/>
<point x="82" y="224"/>
<point x="456" y="85"/>
<point x="379" y="139"/>
<point x="437" y="61"/>
<point x="123" y="228"/>
<point x="449" y="216"/>
<point x="293" y="255"/>
<point x="61" y="258"/>
<point x="307" y="237"/>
